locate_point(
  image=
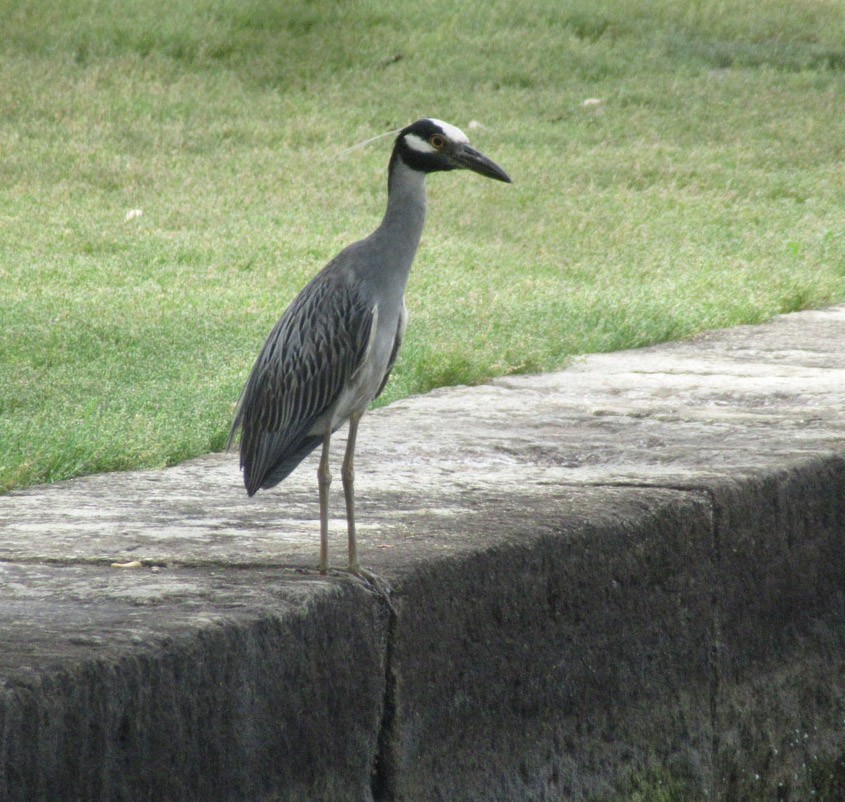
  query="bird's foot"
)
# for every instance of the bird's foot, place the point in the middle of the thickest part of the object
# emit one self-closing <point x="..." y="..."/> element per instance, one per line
<point x="371" y="582"/>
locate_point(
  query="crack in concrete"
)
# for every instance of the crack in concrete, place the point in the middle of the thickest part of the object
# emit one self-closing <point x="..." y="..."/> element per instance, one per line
<point x="383" y="778"/>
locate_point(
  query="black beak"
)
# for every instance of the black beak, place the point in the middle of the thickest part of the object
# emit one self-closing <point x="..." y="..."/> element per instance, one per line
<point x="465" y="157"/>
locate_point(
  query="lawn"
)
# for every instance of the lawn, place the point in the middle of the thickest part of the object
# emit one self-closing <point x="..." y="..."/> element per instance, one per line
<point x="171" y="174"/>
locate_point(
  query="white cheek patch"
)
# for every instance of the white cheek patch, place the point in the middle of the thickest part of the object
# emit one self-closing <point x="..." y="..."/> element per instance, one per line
<point x="452" y="132"/>
<point x="418" y="144"/>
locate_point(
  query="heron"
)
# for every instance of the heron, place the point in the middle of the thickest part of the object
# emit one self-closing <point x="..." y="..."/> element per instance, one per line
<point x="332" y="351"/>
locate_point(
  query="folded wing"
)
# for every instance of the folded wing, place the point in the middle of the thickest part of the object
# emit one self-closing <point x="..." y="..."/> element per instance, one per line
<point x="319" y="343"/>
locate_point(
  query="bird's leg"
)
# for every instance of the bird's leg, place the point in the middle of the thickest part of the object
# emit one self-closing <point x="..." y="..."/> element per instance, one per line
<point x="347" y="473"/>
<point x="324" y="480"/>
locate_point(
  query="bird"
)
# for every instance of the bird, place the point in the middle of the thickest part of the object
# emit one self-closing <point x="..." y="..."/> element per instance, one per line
<point x="332" y="351"/>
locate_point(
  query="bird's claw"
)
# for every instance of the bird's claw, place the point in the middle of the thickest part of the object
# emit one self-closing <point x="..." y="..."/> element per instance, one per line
<point x="371" y="582"/>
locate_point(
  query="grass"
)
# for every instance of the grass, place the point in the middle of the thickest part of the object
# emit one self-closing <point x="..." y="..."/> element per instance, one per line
<point x="705" y="190"/>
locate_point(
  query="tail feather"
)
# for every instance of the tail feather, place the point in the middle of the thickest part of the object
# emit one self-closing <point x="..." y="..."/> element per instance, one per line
<point x="285" y="467"/>
<point x="265" y="463"/>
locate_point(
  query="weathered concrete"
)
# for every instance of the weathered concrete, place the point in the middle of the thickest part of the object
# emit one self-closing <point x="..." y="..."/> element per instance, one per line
<point x="638" y="561"/>
<point x="217" y="684"/>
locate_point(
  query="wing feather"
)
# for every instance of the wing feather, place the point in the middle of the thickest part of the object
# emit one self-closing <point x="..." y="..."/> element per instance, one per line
<point x="317" y="345"/>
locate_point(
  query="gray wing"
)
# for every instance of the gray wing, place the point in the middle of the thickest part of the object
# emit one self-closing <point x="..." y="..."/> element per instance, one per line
<point x="306" y="362"/>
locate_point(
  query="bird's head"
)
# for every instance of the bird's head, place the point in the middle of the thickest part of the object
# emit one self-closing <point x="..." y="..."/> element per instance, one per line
<point x="429" y="145"/>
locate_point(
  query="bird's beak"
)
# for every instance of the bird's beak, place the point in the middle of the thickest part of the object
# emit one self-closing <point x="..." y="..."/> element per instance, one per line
<point x="465" y="157"/>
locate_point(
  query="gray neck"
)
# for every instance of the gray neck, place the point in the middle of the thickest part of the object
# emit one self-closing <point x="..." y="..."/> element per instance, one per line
<point x="399" y="233"/>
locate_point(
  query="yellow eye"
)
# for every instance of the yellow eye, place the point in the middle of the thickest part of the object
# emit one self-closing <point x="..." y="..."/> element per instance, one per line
<point x="437" y="141"/>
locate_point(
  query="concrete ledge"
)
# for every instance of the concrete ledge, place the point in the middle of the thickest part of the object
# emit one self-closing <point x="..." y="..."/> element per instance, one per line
<point x="632" y="568"/>
<point x="202" y="685"/>
<point x="593" y="637"/>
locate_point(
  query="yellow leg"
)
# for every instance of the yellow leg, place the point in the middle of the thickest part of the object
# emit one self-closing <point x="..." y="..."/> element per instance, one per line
<point x="324" y="480"/>
<point x="347" y="474"/>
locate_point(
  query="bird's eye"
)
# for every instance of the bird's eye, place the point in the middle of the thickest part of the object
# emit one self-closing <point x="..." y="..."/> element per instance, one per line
<point x="437" y="141"/>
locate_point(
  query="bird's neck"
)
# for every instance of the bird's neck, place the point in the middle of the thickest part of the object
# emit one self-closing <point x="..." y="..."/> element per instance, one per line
<point x="406" y="205"/>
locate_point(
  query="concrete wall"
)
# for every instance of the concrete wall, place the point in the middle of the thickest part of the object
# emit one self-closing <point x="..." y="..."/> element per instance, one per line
<point x="629" y="572"/>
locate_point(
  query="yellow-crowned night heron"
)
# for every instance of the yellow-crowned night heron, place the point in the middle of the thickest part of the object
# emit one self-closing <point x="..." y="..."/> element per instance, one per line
<point x="332" y="351"/>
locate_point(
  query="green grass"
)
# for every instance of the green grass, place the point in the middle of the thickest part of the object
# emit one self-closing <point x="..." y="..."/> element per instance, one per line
<point x="705" y="190"/>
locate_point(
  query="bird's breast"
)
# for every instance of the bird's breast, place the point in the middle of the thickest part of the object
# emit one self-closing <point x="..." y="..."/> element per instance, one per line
<point x="365" y="383"/>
